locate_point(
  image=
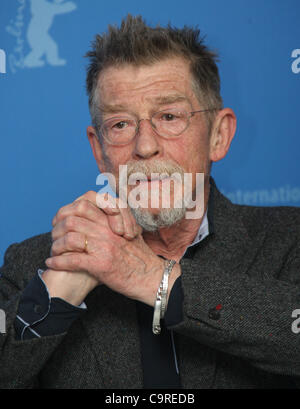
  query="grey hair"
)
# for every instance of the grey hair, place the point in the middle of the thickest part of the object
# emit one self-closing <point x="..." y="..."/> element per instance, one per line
<point x="134" y="42"/>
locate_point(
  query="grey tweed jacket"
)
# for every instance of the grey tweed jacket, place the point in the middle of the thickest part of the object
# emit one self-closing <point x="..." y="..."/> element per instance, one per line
<point x="249" y="264"/>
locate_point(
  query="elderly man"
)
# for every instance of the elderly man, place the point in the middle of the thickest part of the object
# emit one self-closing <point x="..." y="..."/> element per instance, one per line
<point x="146" y="297"/>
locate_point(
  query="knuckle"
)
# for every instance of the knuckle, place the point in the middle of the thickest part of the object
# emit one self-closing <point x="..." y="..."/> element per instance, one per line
<point x="53" y="250"/>
<point x="70" y="223"/>
<point x="54" y="234"/>
<point x="82" y="206"/>
<point x="118" y="229"/>
<point x="90" y="195"/>
<point x="54" y="220"/>
<point x="59" y="214"/>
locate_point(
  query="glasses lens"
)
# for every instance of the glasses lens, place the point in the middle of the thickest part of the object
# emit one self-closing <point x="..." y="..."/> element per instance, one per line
<point x="170" y="123"/>
<point x="119" y="131"/>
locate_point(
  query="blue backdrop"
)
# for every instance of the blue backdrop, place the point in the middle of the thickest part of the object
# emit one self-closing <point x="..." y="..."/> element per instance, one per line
<point x="46" y="161"/>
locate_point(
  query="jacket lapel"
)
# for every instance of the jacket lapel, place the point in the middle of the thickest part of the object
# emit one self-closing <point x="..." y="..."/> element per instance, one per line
<point x="228" y="248"/>
<point x="111" y="327"/>
<point x="233" y="243"/>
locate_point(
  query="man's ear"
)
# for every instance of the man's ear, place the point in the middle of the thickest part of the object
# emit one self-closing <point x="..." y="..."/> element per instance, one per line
<point x="96" y="147"/>
<point x="222" y="133"/>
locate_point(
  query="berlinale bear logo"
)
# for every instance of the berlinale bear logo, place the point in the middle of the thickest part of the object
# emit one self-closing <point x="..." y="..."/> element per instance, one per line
<point x="43" y="48"/>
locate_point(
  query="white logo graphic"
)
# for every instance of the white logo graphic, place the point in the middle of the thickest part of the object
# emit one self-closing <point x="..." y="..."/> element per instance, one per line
<point x="296" y="62"/>
<point x="2" y="322"/>
<point x="43" y="46"/>
<point x="296" y="323"/>
<point x="2" y="62"/>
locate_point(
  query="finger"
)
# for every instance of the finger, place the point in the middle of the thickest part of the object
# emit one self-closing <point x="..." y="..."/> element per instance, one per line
<point x="88" y="196"/>
<point x="124" y="222"/>
<point x="116" y="224"/>
<point x="78" y="225"/>
<point x="82" y="208"/>
<point x="130" y="225"/>
<point x="137" y="228"/>
<point x="70" y="242"/>
<point x="107" y="203"/>
<point x="128" y="222"/>
<point x="119" y="218"/>
<point x="104" y="201"/>
<point x="75" y="262"/>
<point x="129" y="219"/>
<point x="71" y="223"/>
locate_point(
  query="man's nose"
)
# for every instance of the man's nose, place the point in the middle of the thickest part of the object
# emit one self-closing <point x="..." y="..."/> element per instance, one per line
<point x="147" y="141"/>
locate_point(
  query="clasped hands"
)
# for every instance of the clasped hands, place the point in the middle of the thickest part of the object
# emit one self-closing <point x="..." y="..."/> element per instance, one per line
<point x="96" y="243"/>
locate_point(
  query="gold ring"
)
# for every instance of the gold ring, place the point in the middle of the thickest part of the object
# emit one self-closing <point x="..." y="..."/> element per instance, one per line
<point x="85" y="245"/>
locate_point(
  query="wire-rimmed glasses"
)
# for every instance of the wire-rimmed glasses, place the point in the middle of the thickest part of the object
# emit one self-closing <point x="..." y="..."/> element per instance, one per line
<point x="169" y="124"/>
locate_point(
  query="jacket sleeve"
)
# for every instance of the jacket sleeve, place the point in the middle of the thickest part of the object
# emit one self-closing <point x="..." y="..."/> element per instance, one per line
<point x="245" y="315"/>
<point x="21" y="361"/>
<point x="40" y="315"/>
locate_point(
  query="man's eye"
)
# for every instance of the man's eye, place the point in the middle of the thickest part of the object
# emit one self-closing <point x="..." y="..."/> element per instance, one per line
<point x="120" y="125"/>
<point x="168" y="117"/>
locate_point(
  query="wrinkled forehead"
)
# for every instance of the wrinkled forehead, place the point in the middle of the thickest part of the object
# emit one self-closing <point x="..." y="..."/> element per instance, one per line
<point x="162" y="82"/>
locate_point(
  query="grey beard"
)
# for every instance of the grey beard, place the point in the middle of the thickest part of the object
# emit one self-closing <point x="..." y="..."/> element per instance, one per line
<point x="153" y="222"/>
<point x="166" y="217"/>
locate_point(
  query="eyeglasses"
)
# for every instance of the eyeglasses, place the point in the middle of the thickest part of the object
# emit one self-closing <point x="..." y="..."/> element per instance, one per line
<point x="169" y="124"/>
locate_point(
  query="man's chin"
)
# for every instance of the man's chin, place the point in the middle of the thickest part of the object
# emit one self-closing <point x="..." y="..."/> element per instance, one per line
<point x="154" y="219"/>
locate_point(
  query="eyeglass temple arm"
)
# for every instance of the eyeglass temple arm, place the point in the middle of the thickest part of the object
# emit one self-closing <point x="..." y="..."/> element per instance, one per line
<point x="203" y="110"/>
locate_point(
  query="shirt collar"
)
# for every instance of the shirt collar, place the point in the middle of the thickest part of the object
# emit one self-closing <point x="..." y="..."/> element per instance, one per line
<point x="202" y="232"/>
